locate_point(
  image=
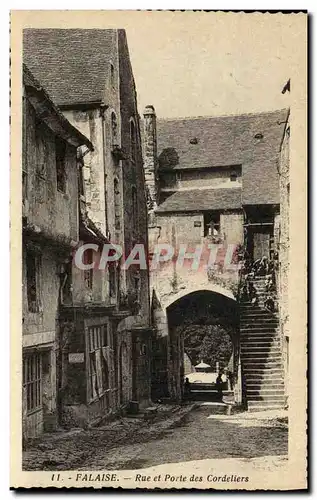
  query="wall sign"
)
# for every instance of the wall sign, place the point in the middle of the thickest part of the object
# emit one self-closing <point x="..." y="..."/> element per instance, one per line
<point x="76" y="357"/>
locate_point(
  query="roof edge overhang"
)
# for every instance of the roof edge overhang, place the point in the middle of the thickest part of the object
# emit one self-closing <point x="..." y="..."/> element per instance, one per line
<point x="199" y="167"/>
<point x="84" y="105"/>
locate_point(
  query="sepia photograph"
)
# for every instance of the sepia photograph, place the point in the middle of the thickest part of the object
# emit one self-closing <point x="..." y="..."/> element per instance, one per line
<point x="160" y="180"/>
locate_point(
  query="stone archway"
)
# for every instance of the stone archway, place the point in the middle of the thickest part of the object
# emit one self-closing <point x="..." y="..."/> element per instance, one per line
<point x="173" y="310"/>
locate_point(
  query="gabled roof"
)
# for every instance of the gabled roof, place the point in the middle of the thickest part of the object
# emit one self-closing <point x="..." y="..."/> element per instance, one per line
<point x="202" y="199"/>
<point x="49" y="112"/>
<point x="250" y="140"/>
<point x="72" y="64"/>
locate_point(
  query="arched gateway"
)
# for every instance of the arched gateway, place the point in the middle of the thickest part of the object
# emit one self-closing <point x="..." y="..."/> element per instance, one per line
<point x="191" y="310"/>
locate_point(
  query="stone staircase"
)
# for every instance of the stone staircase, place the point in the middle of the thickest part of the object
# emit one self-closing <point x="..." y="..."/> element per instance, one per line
<point x="261" y="353"/>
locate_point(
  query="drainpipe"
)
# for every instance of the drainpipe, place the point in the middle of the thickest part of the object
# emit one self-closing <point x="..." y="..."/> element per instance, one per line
<point x="104" y="108"/>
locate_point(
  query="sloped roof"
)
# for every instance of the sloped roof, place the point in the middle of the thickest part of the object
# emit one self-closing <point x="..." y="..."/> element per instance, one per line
<point x="202" y="199"/>
<point x="52" y="116"/>
<point x="72" y="64"/>
<point x="229" y="140"/>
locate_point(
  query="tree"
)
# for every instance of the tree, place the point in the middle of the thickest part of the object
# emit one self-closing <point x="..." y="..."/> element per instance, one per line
<point x="210" y="343"/>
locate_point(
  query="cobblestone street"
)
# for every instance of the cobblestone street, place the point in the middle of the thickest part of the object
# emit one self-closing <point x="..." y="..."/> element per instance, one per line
<point x="181" y="436"/>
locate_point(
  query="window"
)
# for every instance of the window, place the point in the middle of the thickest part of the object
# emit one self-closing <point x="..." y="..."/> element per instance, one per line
<point x="99" y="347"/>
<point x="132" y="141"/>
<point x="112" y="280"/>
<point x="112" y="78"/>
<point x="32" y="381"/>
<point x="212" y="224"/>
<point x="89" y="273"/>
<point x="117" y="205"/>
<point x="114" y="129"/>
<point x="32" y="279"/>
<point x="41" y="140"/>
<point x="233" y="177"/>
<point x="81" y="188"/>
<point x="60" y="153"/>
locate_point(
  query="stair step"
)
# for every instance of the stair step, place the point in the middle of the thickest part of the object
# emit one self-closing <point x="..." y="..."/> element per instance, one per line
<point x="259" y="386"/>
<point x="267" y="352"/>
<point x="268" y="356"/>
<point x="258" y="344"/>
<point x="256" y="313"/>
<point x="259" y="333"/>
<point x="256" y="316"/>
<point x="258" y="310"/>
<point x="279" y="398"/>
<point x="258" y="322"/>
<point x="266" y="349"/>
<point x="259" y="358"/>
<point x="264" y="383"/>
<point x="267" y="407"/>
<point x="266" y="346"/>
<point x="259" y="337"/>
<point x="259" y="364"/>
<point x="263" y="373"/>
<point x="264" y="392"/>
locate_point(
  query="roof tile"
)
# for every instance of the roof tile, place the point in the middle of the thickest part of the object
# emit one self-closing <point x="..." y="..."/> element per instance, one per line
<point x="202" y="199"/>
<point x="72" y="64"/>
<point x="229" y="140"/>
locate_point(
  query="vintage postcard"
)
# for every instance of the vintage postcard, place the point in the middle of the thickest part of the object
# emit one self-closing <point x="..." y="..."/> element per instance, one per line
<point x="158" y="246"/>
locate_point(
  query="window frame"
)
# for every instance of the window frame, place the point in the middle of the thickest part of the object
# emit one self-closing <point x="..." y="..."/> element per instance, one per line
<point x="34" y="306"/>
<point x="114" y="125"/>
<point x="33" y="381"/>
<point x="117" y="204"/>
<point x="98" y="337"/>
<point x="89" y="273"/>
<point x="112" y="75"/>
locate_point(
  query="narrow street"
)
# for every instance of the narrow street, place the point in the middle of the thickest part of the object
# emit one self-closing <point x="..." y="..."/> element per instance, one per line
<point x="181" y="437"/>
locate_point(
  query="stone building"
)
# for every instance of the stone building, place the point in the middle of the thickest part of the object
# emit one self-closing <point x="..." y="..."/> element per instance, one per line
<point x="284" y="243"/>
<point x="50" y="232"/>
<point x="106" y="321"/>
<point x="211" y="181"/>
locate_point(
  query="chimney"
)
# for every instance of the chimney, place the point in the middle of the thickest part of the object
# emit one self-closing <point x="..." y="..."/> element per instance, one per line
<point x="150" y="158"/>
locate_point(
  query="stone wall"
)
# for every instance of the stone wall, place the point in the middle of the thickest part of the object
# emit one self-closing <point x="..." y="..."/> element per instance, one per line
<point x="193" y="179"/>
<point x="134" y="192"/>
<point x="49" y="210"/>
<point x="283" y="285"/>
<point x="90" y="122"/>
